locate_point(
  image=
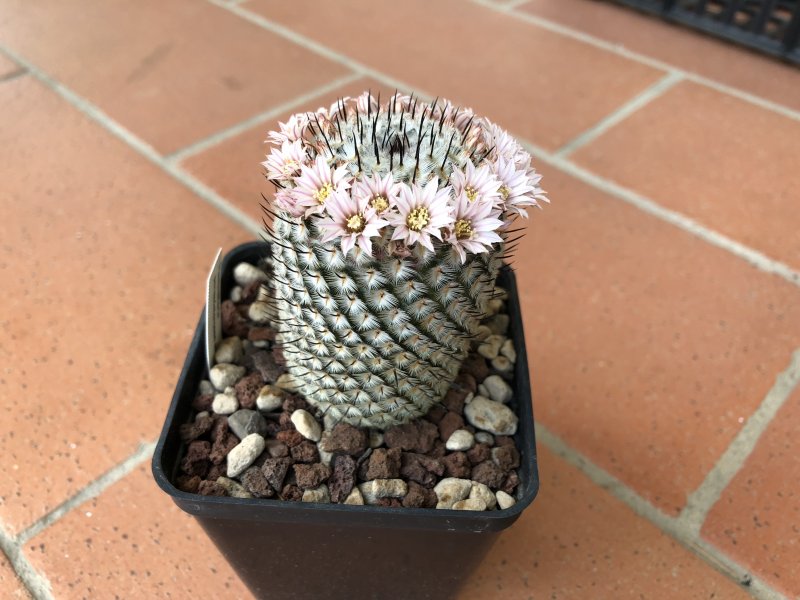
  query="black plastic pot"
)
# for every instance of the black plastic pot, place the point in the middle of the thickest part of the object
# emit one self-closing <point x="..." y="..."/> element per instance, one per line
<point x="308" y="551"/>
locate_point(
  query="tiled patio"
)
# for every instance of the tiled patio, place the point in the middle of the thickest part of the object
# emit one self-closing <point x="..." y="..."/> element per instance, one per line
<point x="661" y="288"/>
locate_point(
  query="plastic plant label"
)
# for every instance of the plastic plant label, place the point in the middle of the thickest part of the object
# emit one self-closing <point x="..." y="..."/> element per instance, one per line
<point x="213" y="310"/>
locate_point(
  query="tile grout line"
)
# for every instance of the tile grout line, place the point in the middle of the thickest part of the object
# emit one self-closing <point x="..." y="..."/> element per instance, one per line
<point x="620" y="50"/>
<point x="639" y="101"/>
<point x="224" y="134"/>
<point x="36" y="583"/>
<point x="143" y="148"/>
<point x="672" y="526"/>
<point x="752" y="256"/>
<point x="92" y="490"/>
<point x="12" y="75"/>
<point x="702" y="500"/>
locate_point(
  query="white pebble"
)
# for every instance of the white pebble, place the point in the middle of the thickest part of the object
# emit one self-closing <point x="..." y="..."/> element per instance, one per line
<point x="504" y="500"/>
<point x="376" y="489"/>
<point x="306" y="425"/>
<point x="469" y="398"/>
<point x="508" y="351"/>
<point x="320" y="495"/>
<point x="490" y="347"/>
<point x="497" y="389"/>
<point x="483" y="493"/>
<point x="451" y="490"/>
<point x="245" y="273"/>
<point x="494" y="306"/>
<point x="259" y="312"/>
<point x="225" y="404"/>
<point x="325" y="457"/>
<point x="270" y="398"/>
<point x="236" y="293"/>
<point x="234" y="488"/>
<point x="502" y="365"/>
<point x="460" y="439"/>
<point x="201" y="415"/>
<point x="469" y="504"/>
<point x="229" y="350"/>
<point x="287" y="382"/>
<point x="206" y="388"/>
<point x="375" y="439"/>
<point x="354" y="497"/>
<point x="224" y="375"/>
<point x="482" y="332"/>
<point x="245" y="453"/>
<point x="491" y="416"/>
<point x="483" y="391"/>
<point x="498" y="324"/>
<point x="484" y="437"/>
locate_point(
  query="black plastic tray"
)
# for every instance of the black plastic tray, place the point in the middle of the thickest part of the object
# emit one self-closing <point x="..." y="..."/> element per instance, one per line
<point x="306" y="551"/>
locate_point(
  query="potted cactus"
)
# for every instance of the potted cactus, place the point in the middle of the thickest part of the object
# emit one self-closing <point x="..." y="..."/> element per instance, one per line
<point x="367" y="377"/>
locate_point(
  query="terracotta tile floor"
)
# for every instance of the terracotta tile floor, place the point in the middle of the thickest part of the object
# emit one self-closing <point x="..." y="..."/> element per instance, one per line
<point x="660" y="290"/>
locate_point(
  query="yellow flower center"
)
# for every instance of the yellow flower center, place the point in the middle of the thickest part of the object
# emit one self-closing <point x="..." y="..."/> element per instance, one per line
<point x="463" y="229"/>
<point x="322" y="193"/>
<point x="379" y="203"/>
<point x="504" y="192"/>
<point x="471" y="193"/>
<point x="418" y="218"/>
<point x="290" y="167"/>
<point x="355" y="223"/>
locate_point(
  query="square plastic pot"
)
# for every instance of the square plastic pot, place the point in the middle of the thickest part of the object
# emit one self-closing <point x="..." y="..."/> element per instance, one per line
<point x="287" y="550"/>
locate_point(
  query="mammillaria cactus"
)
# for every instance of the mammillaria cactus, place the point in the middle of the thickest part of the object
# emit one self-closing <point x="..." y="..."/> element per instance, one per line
<point x="389" y="225"/>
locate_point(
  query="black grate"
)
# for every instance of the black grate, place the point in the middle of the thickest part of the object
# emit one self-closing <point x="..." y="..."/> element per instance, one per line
<point x="771" y="26"/>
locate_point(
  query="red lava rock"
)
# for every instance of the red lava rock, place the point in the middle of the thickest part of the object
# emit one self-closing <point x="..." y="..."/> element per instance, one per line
<point x="261" y="334"/>
<point x="305" y="452"/>
<point x="438" y="450"/>
<point x="189" y="484"/>
<point x="293" y="403"/>
<point x="384" y="464"/>
<point x="479" y="453"/>
<point x="274" y="470"/>
<point x="488" y="473"/>
<point x="456" y="464"/>
<point x="504" y="440"/>
<point x="511" y="482"/>
<point x="192" y="431"/>
<point x="420" y="468"/>
<point x="219" y="430"/>
<point x="211" y="488"/>
<point x="276" y="449"/>
<point x="217" y="471"/>
<point x="505" y="457"/>
<point x="233" y="323"/>
<point x="389" y="503"/>
<point x="418" y="436"/>
<point x="311" y="476"/>
<point x="476" y="366"/>
<point x="436" y="414"/>
<point x="255" y="482"/>
<point x="203" y="402"/>
<point x="291" y="493"/>
<point x="222" y="447"/>
<point x="196" y="460"/>
<point x="346" y="439"/>
<point x="277" y="354"/>
<point x="290" y="437"/>
<point x="264" y="363"/>
<point x="466" y="382"/>
<point x="250" y="292"/>
<point x="454" y="400"/>
<point x="450" y="423"/>
<point x="419" y="497"/>
<point x="343" y="478"/>
<point x="247" y="389"/>
<point x="285" y="421"/>
<point x="273" y="427"/>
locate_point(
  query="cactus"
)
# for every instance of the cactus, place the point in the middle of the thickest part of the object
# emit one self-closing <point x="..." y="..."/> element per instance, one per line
<point x="389" y="225"/>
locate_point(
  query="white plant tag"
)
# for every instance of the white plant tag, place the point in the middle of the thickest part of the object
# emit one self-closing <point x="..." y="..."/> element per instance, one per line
<point x="213" y="310"/>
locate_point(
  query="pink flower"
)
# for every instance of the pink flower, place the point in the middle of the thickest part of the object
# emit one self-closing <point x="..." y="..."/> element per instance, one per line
<point x="421" y="213"/>
<point x="477" y="184"/>
<point x="316" y="183"/>
<point x="474" y="227"/>
<point x="352" y="220"/>
<point x="285" y="200"/>
<point x="505" y="146"/>
<point x="516" y="191"/>
<point x="381" y="193"/>
<point x="290" y="131"/>
<point x="284" y="163"/>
